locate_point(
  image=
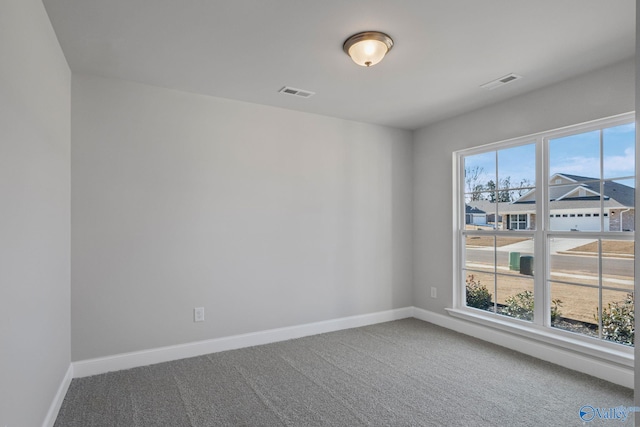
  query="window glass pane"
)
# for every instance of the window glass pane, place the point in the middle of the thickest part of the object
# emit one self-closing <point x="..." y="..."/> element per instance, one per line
<point x="619" y="151"/>
<point x="516" y="171"/>
<point x="574" y="260"/>
<point x="617" y="264"/>
<point x="514" y="296"/>
<point x="573" y="308"/>
<point x="619" y="205"/>
<point x="480" y="289"/>
<point x="618" y="316"/>
<point x="575" y="156"/>
<point x="480" y="213"/>
<point x="480" y="253"/>
<point x="480" y="169"/>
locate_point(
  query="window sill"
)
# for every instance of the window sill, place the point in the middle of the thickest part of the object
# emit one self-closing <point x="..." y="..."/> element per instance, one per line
<point x="583" y="345"/>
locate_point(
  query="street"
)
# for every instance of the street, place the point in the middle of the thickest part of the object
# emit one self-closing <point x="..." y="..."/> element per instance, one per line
<point x="579" y="264"/>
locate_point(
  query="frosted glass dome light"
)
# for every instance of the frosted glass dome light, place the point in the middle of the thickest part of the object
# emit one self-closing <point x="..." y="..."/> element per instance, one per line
<point x="367" y="48"/>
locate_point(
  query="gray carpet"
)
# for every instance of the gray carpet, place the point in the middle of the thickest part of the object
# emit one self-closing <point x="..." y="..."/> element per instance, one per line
<point x="402" y="373"/>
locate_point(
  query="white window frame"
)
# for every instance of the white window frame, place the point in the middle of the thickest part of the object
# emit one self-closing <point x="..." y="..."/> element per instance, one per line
<point x="540" y="329"/>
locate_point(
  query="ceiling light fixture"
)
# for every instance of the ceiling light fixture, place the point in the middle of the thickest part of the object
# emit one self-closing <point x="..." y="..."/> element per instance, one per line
<point x="367" y="48"/>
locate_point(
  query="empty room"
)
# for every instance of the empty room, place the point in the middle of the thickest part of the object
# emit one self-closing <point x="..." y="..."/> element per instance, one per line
<point x="331" y="213"/>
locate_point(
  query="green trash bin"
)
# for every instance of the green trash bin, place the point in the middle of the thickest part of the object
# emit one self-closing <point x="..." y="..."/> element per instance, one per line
<point x="526" y="265"/>
<point x="514" y="261"/>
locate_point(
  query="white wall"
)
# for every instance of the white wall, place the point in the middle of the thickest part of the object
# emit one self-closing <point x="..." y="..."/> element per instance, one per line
<point x="35" y="84"/>
<point x="266" y="217"/>
<point x="598" y="94"/>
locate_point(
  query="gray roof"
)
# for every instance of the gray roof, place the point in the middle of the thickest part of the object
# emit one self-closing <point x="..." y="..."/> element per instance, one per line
<point x="622" y="194"/>
<point x="473" y="210"/>
<point x="490" y="207"/>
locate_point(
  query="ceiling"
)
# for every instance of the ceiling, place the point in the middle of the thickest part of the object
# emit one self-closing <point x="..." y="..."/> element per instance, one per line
<point x="248" y="50"/>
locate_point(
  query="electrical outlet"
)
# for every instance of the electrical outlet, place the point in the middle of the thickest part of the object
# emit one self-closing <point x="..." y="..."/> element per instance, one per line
<point x="434" y="292"/>
<point x="198" y="314"/>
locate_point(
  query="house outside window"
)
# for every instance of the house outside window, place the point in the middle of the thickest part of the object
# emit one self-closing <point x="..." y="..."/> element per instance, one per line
<point x="570" y="275"/>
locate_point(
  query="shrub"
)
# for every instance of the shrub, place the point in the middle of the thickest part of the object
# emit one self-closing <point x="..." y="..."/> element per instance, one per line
<point x="520" y="306"/>
<point x="478" y="296"/>
<point x="618" y="321"/>
<point x="555" y="309"/>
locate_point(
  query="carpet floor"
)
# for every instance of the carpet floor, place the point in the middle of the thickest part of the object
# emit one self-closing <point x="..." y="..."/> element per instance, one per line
<point x="401" y="373"/>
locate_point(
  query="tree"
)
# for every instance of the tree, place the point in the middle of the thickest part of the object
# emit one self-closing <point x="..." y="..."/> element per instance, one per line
<point x="471" y="177"/>
<point x="477" y="193"/>
<point x="491" y="187"/>
<point x="523" y="183"/>
<point x="504" y="195"/>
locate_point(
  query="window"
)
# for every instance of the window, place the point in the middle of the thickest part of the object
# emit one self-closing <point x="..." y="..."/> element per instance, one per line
<point x="517" y="222"/>
<point x="566" y="274"/>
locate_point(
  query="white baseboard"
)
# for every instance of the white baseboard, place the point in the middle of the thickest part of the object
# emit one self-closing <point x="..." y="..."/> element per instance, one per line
<point x="52" y="414"/>
<point x="118" y="362"/>
<point x="616" y="374"/>
<point x="608" y="371"/>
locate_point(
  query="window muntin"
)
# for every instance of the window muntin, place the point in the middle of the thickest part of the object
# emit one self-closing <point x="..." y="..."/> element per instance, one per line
<point x="589" y="186"/>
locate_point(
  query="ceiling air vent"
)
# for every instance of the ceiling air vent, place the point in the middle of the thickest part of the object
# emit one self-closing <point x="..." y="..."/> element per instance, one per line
<point x="297" y="92"/>
<point x="501" y="81"/>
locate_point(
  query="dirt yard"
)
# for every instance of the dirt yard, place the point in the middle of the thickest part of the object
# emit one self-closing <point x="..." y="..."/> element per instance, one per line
<point x="578" y="302"/>
<point x="623" y="247"/>
<point x="484" y="241"/>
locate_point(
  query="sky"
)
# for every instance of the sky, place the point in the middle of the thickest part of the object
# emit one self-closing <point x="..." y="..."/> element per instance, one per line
<point x="575" y="155"/>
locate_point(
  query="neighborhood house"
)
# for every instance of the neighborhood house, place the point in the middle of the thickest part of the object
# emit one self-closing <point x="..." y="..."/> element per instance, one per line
<point x="575" y="203"/>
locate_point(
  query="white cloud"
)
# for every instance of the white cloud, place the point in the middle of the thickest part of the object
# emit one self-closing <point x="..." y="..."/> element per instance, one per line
<point x="578" y="165"/>
<point x="620" y="165"/>
<point x="614" y="166"/>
